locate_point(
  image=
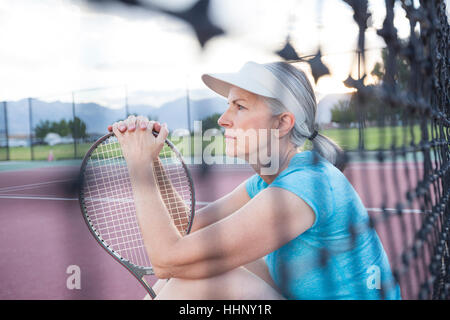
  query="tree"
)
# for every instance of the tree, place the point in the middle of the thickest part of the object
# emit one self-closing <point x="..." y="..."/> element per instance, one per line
<point x="402" y="66"/>
<point x="210" y="122"/>
<point x="343" y="112"/>
<point x="42" y="128"/>
<point x="371" y="107"/>
<point x="61" y="127"/>
<point x="77" y="128"/>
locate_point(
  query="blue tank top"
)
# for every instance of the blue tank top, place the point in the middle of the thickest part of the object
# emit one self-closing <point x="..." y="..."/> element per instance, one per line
<point x="328" y="261"/>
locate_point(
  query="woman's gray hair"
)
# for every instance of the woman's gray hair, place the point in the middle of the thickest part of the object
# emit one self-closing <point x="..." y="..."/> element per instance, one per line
<point x="298" y="84"/>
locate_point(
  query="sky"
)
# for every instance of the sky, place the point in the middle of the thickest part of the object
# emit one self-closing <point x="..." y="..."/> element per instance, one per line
<point x="50" y="48"/>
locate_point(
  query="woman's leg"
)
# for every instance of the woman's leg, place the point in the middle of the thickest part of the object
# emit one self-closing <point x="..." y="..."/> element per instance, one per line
<point x="159" y="284"/>
<point x="259" y="268"/>
<point x="237" y="284"/>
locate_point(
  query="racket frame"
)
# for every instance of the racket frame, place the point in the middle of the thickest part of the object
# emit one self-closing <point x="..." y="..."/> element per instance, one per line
<point x="137" y="271"/>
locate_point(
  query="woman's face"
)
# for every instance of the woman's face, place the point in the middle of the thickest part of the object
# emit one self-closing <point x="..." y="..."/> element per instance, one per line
<point x="248" y="122"/>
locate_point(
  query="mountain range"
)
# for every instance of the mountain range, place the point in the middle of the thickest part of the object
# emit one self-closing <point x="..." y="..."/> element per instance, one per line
<point x="97" y="116"/>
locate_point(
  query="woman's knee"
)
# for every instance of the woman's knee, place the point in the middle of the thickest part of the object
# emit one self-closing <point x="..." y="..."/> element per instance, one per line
<point x="235" y="284"/>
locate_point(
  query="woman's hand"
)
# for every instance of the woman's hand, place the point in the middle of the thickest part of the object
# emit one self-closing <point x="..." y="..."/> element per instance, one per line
<point x="139" y="146"/>
<point x="122" y="125"/>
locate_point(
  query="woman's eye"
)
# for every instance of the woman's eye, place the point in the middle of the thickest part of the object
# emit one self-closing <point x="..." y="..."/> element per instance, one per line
<point x="240" y="107"/>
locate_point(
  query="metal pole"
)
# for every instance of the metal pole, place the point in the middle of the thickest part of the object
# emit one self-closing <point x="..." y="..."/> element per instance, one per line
<point x="188" y="106"/>
<point x="74" y="133"/>
<point x="5" y="108"/>
<point x="360" y="112"/>
<point x="359" y="64"/>
<point x="127" y="111"/>
<point x="30" y="118"/>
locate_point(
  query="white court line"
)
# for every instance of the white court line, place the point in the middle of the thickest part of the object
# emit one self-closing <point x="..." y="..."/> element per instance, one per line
<point x="379" y="210"/>
<point x="36" y="198"/>
<point x="31" y="185"/>
<point x="31" y="197"/>
<point x="47" y="168"/>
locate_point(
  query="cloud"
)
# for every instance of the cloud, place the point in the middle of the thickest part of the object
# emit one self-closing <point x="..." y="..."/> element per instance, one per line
<point x="53" y="46"/>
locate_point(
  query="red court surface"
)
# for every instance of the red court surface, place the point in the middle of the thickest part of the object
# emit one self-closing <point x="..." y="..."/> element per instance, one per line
<point x="42" y="232"/>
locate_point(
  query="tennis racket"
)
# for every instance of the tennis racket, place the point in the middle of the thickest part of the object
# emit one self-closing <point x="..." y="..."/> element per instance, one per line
<point x="107" y="203"/>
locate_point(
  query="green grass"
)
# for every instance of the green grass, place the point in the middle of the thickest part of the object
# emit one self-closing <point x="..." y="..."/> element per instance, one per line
<point x="374" y="138"/>
<point x="41" y="152"/>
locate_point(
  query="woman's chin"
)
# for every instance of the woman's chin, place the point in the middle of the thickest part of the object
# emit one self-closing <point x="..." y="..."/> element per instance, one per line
<point x="241" y="156"/>
<point x="233" y="153"/>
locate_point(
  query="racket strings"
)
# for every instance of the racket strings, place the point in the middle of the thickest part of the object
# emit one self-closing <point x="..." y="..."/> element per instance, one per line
<point x="109" y="201"/>
<point x="175" y="192"/>
<point x="174" y="187"/>
<point x="112" y="209"/>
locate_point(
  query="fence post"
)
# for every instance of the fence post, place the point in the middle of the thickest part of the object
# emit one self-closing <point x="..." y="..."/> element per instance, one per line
<point x="361" y="113"/>
<point x="127" y="110"/>
<point x="188" y="108"/>
<point x="30" y="117"/>
<point x="5" y="113"/>
<point x="74" y="133"/>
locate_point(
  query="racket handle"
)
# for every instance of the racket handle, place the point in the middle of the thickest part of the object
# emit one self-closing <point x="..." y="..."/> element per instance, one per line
<point x="155" y="133"/>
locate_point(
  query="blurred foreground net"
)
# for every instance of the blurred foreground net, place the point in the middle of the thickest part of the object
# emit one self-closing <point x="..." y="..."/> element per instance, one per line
<point x="402" y="125"/>
<point x="399" y="138"/>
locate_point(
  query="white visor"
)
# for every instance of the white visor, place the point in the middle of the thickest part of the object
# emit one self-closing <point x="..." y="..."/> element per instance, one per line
<point x="254" y="78"/>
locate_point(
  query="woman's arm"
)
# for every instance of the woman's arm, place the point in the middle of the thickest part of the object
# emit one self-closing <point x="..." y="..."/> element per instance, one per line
<point x="205" y="216"/>
<point x="221" y="208"/>
<point x="268" y="221"/>
<point x="258" y="228"/>
<point x="216" y="211"/>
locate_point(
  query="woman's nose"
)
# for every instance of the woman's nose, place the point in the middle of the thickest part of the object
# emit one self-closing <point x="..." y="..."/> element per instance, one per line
<point x="224" y="120"/>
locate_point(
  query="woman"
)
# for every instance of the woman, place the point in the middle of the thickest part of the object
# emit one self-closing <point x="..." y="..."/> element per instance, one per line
<point x="294" y="230"/>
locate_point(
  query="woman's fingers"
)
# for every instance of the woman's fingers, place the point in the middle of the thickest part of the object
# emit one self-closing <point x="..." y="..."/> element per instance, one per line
<point x="163" y="133"/>
<point x="150" y="125"/>
<point x="122" y="126"/>
<point x="131" y="123"/>
<point x="115" y="129"/>
<point x="142" y="122"/>
<point x="157" y="126"/>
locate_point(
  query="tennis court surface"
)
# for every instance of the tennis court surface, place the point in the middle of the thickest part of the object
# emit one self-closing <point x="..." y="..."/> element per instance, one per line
<point x="46" y="243"/>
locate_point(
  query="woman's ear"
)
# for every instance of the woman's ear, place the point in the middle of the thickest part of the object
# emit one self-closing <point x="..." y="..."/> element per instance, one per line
<point x="286" y="122"/>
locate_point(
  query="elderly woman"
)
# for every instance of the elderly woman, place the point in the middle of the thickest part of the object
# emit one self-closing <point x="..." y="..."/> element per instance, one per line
<point x="297" y="231"/>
